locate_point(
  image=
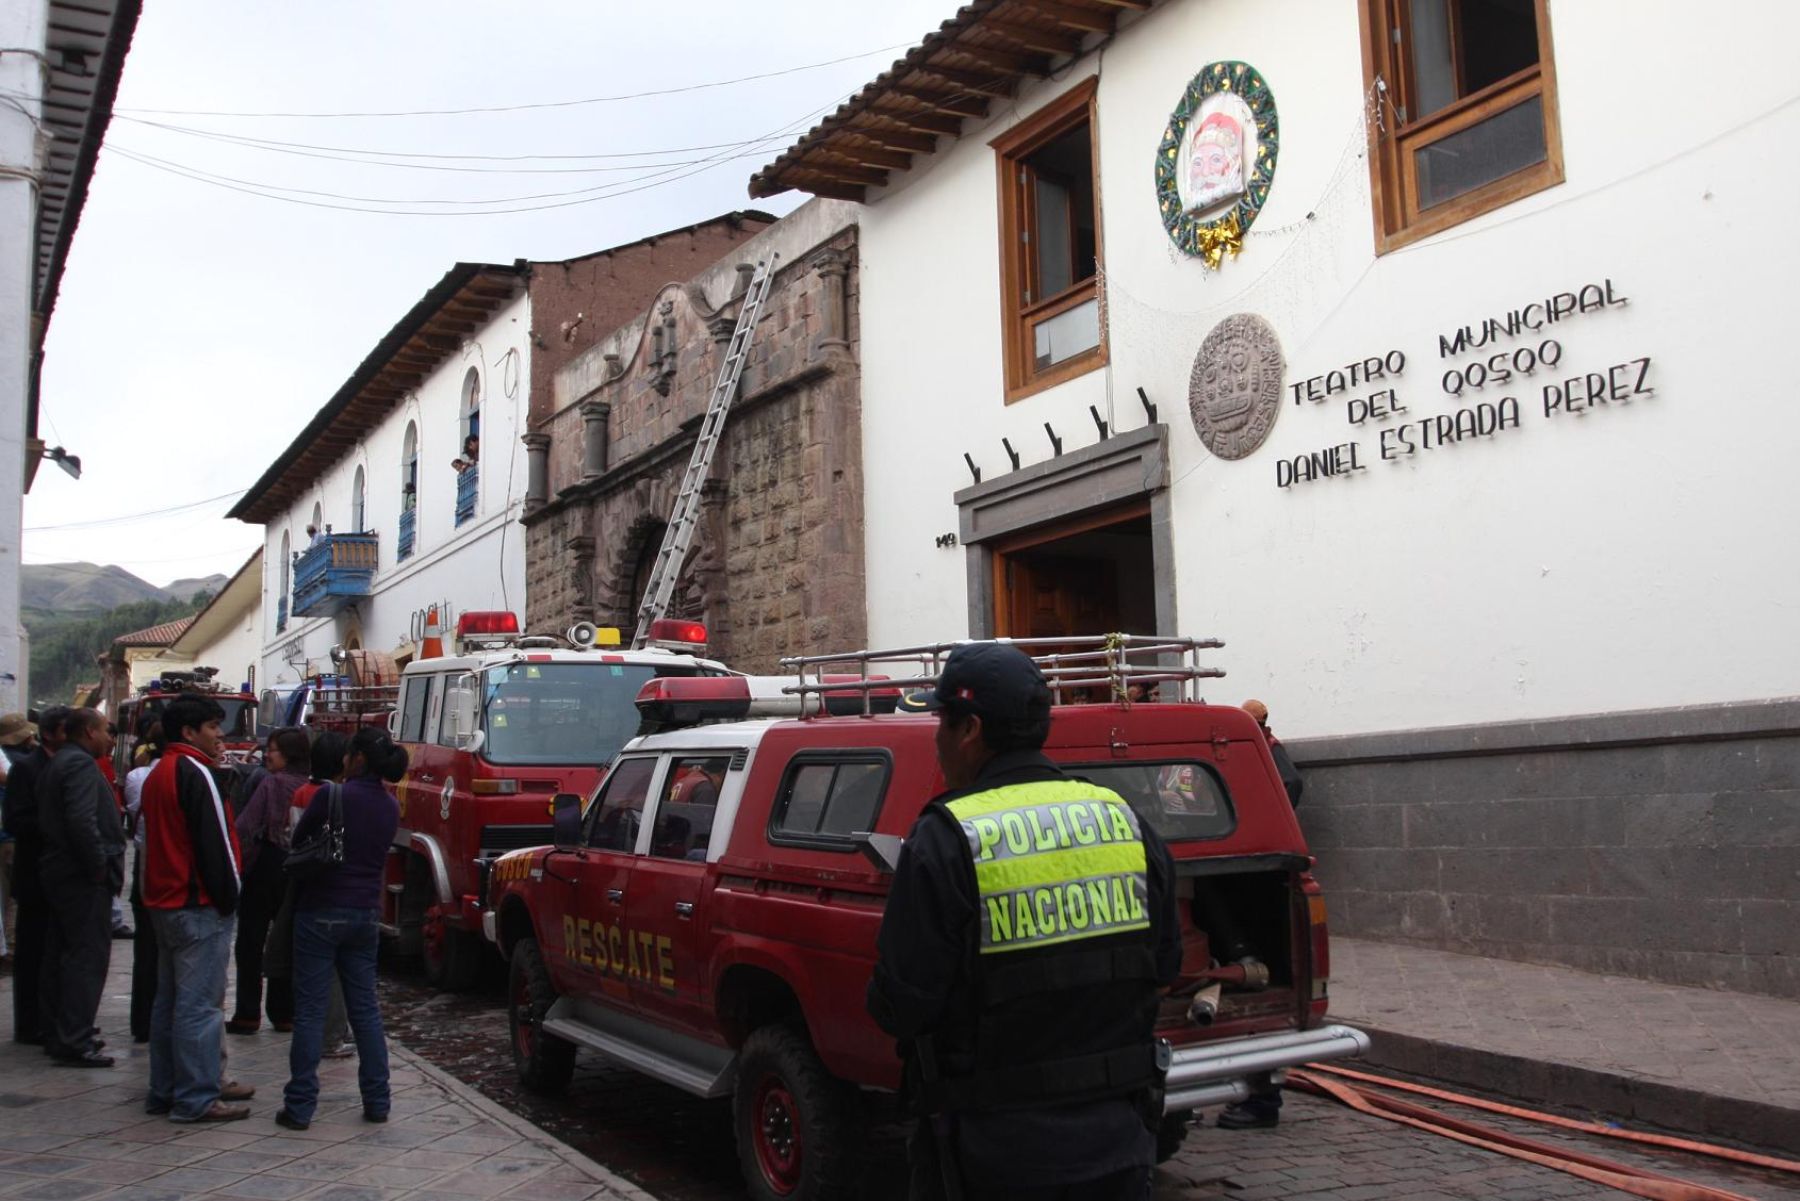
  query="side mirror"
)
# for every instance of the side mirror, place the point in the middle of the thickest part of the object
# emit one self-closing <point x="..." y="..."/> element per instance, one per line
<point x="460" y="714"/>
<point x="882" y="850"/>
<point x="565" y="821"/>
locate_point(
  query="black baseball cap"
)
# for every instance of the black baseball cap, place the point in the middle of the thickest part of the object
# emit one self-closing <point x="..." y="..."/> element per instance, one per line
<point x="995" y="681"/>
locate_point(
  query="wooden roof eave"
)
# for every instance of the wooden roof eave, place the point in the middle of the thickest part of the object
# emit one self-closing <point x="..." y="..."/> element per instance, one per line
<point x="986" y="50"/>
<point x="380" y="384"/>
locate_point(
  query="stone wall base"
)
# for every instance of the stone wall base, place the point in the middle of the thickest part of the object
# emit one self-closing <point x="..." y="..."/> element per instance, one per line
<point x="1663" y="844"/>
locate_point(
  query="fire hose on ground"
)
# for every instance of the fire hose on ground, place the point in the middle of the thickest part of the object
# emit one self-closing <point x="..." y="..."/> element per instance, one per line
<point x="1333" y="1082"/>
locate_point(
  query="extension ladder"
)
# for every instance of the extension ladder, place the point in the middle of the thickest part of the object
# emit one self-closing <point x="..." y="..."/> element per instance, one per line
<point x="679" y="534"/>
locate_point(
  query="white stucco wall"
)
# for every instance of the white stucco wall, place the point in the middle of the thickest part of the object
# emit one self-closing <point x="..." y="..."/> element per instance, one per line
<point x="1636" y="556"/>
<point x="22" y="32"/>
<point x="480" y="565"/>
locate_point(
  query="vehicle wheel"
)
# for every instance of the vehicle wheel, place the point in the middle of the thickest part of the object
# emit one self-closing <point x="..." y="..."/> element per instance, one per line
<point x="545" y="1062"/>
<point x="1172" y="1133"/>
<point x="452" y="957"/>
<point x="799" y="1128"/>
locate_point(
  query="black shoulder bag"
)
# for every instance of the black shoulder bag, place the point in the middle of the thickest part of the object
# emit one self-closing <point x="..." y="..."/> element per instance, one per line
<point x="319" y="854"/>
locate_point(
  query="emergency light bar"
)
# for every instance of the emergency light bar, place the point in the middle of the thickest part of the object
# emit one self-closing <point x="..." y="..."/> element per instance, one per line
<point x="487" y="623"/>
<point x="688" y="700"/>
<point x="672" y="634"/>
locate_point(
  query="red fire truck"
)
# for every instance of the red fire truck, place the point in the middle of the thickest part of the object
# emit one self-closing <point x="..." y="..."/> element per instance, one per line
<point x="494" y="732"/>
<point x="145" y="709"/>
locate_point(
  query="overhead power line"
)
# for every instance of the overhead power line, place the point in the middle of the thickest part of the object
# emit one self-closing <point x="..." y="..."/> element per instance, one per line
<point x="443" y="162"/>
<point x="597" y="191"/>
<point x="123" y="519"/>
<point x="654" y="179"/>
<point x="514" y="108"/>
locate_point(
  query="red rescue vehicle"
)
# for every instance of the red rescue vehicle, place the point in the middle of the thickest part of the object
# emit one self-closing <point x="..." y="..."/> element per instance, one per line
<point x="710" y="919"/>
<point x="493" y="732"/>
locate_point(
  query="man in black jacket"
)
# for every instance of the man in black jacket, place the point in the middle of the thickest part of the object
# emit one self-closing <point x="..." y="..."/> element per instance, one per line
<point x="1029" y="932"/>
<point x="82" y="869"/>
<point x="21" y="818"/>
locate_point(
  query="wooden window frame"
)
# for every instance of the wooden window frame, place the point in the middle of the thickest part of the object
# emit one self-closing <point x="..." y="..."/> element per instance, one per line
<point x="1073" y="108"/>
<point x="1392" y="147"/>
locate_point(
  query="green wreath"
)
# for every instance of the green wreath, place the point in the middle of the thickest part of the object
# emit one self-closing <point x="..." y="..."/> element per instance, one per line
<point x="1213" y="238"/>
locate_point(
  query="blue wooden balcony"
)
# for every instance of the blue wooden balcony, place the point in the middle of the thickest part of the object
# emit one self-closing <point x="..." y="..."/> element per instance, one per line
<point x="467" y="488"/>
<point x="409" y="527"/>
<point x="333" y="573"/>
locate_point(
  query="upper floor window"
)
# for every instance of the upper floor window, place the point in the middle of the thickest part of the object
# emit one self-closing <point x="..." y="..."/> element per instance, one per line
<point x="359" y="503"/>
<point x="286" y="564"/>
<point x="409" y="494"/>
<point x="1050" y="244"/>
<point x="1468" y="119"/>
<point x="471" y="404"/>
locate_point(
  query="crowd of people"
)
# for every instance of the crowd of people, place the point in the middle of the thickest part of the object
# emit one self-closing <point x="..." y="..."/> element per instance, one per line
<point x="208" y="847"/>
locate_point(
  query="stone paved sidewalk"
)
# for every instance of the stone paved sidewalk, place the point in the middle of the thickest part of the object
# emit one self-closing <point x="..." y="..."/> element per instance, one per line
<point x="69" y="1134"/>
<point x="1716" y="1063"/>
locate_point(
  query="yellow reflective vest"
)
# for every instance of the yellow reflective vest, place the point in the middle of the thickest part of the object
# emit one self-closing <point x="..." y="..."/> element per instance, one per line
<point x="1056" y="861"/>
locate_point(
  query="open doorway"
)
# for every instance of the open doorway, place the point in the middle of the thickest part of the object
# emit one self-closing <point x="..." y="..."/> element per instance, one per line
<point x="1091" y="575"/>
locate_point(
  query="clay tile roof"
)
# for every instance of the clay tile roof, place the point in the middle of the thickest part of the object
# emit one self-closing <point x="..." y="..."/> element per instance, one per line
<point x="161" y="635"/>
<point x="977" y="56"/>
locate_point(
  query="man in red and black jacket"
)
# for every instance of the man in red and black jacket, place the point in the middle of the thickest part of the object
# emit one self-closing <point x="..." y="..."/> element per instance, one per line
<point x="192" y="875"/>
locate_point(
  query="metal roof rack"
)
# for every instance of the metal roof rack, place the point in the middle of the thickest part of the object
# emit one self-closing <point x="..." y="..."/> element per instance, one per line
<point x="1080" y="669"/>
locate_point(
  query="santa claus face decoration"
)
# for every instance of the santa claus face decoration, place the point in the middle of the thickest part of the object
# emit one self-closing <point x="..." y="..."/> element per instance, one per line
<point x="1217" y="159"/>
<point x="1213" y="155"/>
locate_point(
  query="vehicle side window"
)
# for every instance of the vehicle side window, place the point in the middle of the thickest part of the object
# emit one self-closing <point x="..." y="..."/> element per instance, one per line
<point x="1182" y="800"/>
<point x="827" y="799"/>
<point x="412" y="709"/>
<point x="684" y="816"/>
<point x="619" y="810"/>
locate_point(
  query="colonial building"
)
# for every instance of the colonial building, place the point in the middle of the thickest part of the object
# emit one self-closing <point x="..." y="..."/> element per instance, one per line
<point x="227" y="633"/>
<point x="404" y="520"/>
<point x="1420" y="352"/>
<point x="411" y="516"/>
<point x="776" y="565"/>
<point x="136" y="658"/>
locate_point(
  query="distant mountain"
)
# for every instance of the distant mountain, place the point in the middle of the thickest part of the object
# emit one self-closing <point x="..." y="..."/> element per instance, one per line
<point x="81" y="587"/>
<point x="184" y="589"/>
<point x="63" y="588"/>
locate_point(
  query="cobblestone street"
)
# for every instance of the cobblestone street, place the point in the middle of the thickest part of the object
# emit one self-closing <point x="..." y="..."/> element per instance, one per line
<point x="680" y="1149"/>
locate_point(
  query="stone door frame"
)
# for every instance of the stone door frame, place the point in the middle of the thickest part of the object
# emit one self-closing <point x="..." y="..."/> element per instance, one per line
<point x="1125" y="467"/>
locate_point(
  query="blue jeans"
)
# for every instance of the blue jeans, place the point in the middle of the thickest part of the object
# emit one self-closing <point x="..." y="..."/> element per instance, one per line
<point x="344" y="940"/>
<point x="193" y="949"/>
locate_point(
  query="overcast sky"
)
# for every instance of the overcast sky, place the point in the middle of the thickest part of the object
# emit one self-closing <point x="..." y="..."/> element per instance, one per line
<point x="200" y="327"/>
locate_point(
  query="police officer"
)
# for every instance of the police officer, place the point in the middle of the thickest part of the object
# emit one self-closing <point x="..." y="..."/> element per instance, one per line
<point x="1028" y="935"/>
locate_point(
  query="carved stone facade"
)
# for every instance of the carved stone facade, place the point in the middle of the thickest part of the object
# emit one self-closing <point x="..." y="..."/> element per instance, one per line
<point x="776" y="563"/>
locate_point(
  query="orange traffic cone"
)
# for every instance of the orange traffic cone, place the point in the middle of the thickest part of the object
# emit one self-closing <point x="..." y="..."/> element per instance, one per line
<point x="432" y="645"/>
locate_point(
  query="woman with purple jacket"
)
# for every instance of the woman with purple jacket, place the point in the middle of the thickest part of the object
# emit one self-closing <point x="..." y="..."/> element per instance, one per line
<point x="336" y="930"/>
<point x="262" y="830"/>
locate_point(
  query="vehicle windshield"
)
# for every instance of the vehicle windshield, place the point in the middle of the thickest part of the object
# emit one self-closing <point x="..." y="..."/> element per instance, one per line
<point x="239" y="723"/>
<point x="1182" y="800"/>
<point x="564" y="712"/>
